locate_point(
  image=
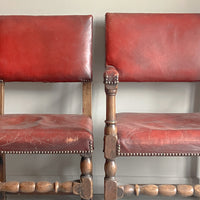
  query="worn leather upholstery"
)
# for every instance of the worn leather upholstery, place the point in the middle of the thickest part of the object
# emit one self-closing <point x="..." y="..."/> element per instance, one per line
<point x="154" y="47"/>
<point x="50" y="132"/>
<point x="158" y="133"/>
<point x="45" y="48"/>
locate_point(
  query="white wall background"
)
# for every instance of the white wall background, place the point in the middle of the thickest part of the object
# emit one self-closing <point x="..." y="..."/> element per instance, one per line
<point x="140" y="97"/>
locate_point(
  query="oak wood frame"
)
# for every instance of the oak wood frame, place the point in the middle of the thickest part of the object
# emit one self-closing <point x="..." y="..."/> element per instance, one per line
<point x="113" y="191"/>
<point x="83" y="187"/>
<point x="87" y="98"/>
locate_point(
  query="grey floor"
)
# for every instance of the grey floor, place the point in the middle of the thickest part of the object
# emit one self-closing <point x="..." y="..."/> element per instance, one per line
<point x="96" y="197"/>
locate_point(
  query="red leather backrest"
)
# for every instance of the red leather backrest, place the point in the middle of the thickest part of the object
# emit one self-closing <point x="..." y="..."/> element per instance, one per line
<point x="154" y="47"/>
<point x="45" y="48"/>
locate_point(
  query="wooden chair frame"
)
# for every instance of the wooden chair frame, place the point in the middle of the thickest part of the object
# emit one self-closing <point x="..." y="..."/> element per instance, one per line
<point x="82" y="187"/>
<point x="112" y="190"/>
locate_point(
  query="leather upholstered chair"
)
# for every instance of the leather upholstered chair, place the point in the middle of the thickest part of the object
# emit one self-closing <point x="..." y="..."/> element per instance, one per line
<point x="47" y="49"/>
<point x="150" y="48"/>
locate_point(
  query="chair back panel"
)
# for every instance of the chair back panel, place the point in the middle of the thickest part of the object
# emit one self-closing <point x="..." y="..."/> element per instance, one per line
<point x="154" y="47"/>
<point x="45" y="48"/>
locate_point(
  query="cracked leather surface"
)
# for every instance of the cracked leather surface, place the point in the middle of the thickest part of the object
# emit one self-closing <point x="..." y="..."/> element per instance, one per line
<point x="45" y="132"/>
<point x="159" y="133"/>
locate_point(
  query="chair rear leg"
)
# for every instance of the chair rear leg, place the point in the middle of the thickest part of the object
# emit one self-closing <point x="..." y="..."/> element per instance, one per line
<point x="86" y="192"/>
<point x="2" y="173"/>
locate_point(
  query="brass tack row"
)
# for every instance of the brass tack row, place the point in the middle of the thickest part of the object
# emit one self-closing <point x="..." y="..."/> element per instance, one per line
<point x="154" y="190"/>
<point x="51" y="152"/>
<point x="46" y="152"/>
<point x="157" y="154"/>
<point x="119" y="153"/>
<point x="111" y="81"/>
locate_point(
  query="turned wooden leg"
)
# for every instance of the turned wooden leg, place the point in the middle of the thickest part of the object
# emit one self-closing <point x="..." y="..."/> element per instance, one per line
<point x="86" y="192"/>
<point x="110" y="184"/>
<point x="2" y="174"/>
<point x="111" y="79"/>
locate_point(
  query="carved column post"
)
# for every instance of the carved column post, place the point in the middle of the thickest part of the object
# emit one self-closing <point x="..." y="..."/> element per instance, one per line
<point x="86" y="190"/>
<point x="110" y="137"/>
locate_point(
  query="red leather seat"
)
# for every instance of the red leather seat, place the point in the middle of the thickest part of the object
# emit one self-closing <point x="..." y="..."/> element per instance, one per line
<point x="45" y="133"/>
<point x="158" y="134"/>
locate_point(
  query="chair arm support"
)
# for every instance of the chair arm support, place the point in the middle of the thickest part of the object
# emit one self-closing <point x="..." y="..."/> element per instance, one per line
<point x="111" y="79"/>
<point x="111" y="76"/>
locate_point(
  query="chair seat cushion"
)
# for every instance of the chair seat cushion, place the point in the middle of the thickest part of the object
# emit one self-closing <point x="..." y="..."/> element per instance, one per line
<point x="39" y="133"/>
<point x="158" y="134"/>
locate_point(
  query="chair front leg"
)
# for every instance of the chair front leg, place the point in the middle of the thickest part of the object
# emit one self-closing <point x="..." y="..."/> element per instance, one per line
<point x="111" y="77"/>
<point x="110" y="184"/>
<point x="110" y="143"/>
<point x="86" y="190"/>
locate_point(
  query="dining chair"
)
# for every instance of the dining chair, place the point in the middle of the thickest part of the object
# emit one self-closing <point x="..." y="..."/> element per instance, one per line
<point x="150" y="48"/>
<point x="47" y="49"/>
